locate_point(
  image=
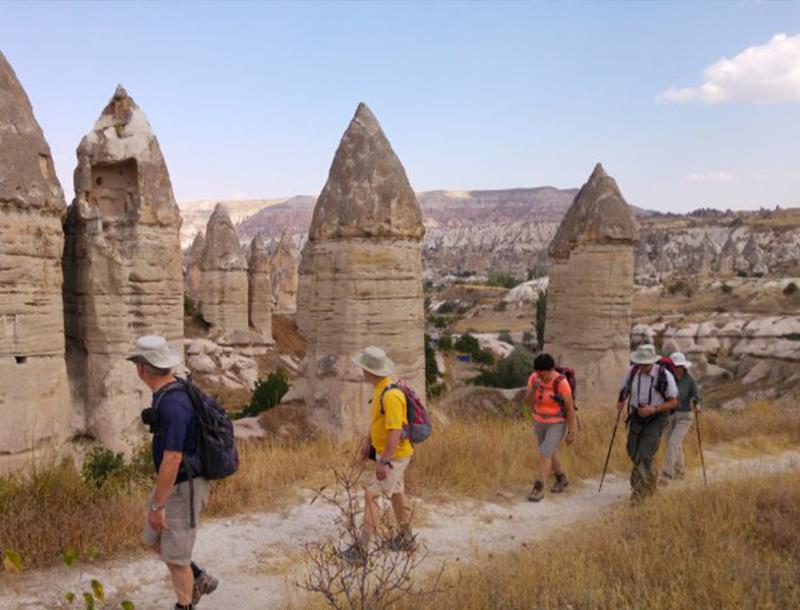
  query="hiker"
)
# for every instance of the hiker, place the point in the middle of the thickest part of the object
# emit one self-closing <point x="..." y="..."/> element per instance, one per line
<point x="651" y="392"/>
<point x="392" y="453"/>
<point x="169" y="529"/>
<point x="680" y="420"/>
<point x="550" y="396"/>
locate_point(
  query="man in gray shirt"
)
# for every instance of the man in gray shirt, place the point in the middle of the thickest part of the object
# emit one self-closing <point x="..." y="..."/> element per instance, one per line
<point x="651" y="393"/>
<point x="680" y="420"/>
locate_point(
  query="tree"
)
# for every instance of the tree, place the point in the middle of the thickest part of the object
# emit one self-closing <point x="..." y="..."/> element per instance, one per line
<point x="541" y="315"/>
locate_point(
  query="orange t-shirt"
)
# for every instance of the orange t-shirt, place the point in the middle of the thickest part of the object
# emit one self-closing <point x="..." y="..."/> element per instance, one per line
<point x="546" y="408"/>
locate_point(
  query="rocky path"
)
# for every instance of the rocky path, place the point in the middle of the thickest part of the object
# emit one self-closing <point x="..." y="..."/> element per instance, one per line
<point x="258" y="556"/>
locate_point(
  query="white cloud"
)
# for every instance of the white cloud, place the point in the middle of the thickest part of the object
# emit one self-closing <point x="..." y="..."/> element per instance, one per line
<point x="717" y="176"/>
<point x="765" y="74"/>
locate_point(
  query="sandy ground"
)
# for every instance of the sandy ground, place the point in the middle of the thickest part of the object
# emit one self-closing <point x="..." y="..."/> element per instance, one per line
<point x="258" y="557"/>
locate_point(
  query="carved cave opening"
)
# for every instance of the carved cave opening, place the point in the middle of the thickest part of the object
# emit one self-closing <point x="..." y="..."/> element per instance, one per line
<point x="114" y="188"/>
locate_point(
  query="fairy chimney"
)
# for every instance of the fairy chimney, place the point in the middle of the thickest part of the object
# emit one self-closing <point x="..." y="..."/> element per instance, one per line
<point x="259" y="287"/>
<point x="285" y="261"/>
<point x="591" y="287"/>
<point x="303" y="289"/>
<point x="122" y="267"/>
<point x="223" y="290"/>
<point x="194" y="275"/>
<point x="365" y="276"/>
<point x="35" y="407"/>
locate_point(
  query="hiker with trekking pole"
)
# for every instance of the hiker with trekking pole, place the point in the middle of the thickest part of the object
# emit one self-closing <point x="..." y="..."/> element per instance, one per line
<point x="651" y="393"/>
<point x="680" y="420"/>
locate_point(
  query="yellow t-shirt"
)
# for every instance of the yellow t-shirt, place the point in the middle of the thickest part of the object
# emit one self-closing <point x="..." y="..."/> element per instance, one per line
<point x="394" y="417"/>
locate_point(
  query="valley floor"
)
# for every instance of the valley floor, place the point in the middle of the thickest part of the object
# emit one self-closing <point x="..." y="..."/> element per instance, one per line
<point x="259" y="556"/>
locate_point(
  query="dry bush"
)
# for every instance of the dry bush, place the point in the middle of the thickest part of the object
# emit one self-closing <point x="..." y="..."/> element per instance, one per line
<point x="383" y="580"/>
<point x="715" y="547"/>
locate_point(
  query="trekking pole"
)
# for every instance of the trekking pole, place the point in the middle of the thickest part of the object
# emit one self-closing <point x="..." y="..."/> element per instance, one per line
<point x="608" y="455"/>
<point x="699" y="441"/>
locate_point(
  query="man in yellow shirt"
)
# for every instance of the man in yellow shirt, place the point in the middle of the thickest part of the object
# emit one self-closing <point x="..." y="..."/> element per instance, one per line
<point x="392" y="453"/>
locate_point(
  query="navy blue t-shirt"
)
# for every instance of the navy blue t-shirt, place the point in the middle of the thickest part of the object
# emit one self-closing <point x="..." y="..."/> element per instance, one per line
<point x="176" y="430"/>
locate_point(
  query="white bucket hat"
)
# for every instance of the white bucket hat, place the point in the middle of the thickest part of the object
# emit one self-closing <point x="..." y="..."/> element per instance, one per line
<point x="678" y="359"/>
<point x="156" y="351"/>
<point x="645" y="354"/>
<point x="374" y="360"/>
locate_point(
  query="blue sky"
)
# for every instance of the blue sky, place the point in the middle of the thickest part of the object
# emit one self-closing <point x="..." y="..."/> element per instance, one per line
<point x="250" y="99"/>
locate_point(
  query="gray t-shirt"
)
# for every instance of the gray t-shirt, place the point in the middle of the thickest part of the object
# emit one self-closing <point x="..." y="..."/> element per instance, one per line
<point x="643" y="387"/>
<point x="687" y="391"/>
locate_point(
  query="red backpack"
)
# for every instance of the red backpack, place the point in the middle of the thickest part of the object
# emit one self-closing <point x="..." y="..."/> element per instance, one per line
<point x="419" y="423"/>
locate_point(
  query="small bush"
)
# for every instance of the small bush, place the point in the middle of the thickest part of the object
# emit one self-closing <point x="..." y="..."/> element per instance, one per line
<point x="534" y="273"/>
<point x="446" y="342"/>
<point x="510" y="372"/>
<point x="267" y="393"/>
<point x="680" y="287"/>
<point x="790" y="289"/>
<point x="438" y="321"/>
<point x="483" y="356"/>
<point x="503" y="280"/>
<point x="467" y="344"/>
<point x="431" y="367"/>
<point x="527" y="337"/>
<point x="726" y="288"/>
<point x="102" y="463"/>
<point x="188" y="305"/>
<point x="505" y="336"/>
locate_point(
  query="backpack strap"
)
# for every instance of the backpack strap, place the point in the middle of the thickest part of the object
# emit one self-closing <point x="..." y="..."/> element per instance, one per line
<point x="194" y="396"/>
<point x="391" y="386"/>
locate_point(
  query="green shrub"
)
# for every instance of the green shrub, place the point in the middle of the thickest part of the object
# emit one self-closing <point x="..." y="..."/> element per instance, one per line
<point x="467" y="344"/>
<point x="680" y="286"/>
<point x="448" y="306"/>
<point x="541" y="316"/>
<point x="436" y="390"/>
<point x="726" y="288"/>
<point x="483" y="356"/>
<point x="101" y="464"/>
<point x="790" y="289"/>
<point x="510" y="372"/>
<point x="431" y="368"/>
<point x="505" y="336"/>
<point x="503" y="280"/>
<point x="267" y="393"/>
<point x="534" y="273"/>
<point x="527" y="337"/>
<point x="188" y="305"/>
<point x="438" y="321"/>
<point x="446" y="342"/>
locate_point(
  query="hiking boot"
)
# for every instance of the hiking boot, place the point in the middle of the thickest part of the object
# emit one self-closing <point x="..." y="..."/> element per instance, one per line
<point x="404" y="542"/>
<point x="355" y="556"/>
<point x="537" y="493"/>
<point x="205" y="584"/>
<point x="179" y="607"/>
<point x="560" y="484"/>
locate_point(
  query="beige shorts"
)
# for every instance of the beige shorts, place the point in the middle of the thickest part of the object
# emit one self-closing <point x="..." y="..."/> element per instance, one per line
<point x="394" y="483"/>
<point x="177" y="540"/>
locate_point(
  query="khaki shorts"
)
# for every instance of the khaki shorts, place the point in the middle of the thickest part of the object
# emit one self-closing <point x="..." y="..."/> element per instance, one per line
<point x="177" y="540"/>
<point x="549" y="436"/>
<point x="394" y="483"/>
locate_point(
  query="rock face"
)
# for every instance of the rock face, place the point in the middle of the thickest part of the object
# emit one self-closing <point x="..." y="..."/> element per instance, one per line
<point x="285" y="261"/>
<point x="194" y="275"/>
<point x="259" y="288"/>
<point x="304" y="295"/>
<point x="122" y="267"/>
<point x="366" y="278"/>
<point x="35" y="406"/>
<point x="223" y="289"/>
<point x="591" y="288"/>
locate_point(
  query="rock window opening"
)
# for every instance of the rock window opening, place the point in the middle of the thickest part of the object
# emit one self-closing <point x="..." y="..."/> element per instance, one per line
<point x="21" y="359"/>
<point x="115" y="184"/>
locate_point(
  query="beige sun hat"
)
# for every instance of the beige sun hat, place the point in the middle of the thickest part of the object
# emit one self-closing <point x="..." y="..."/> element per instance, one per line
<point x="374" y="360"/>
<point x="645" y="354"/>
<point x="678" y="359"/>
<point x="155" y="350"/>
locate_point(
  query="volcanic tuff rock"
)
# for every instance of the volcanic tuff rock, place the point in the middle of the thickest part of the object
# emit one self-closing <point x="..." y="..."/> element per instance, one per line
<point x="260" y="287"/>
<point x="122" y="267"/>
<point x="193" y="275"/>
<point x="223" y="289"/>
<point x="591" y="287"/>
<point x="284" y="262"/>
<point x="35" y="407"/>
<point x="304" y="295"/>
<point x="366" y="278"/>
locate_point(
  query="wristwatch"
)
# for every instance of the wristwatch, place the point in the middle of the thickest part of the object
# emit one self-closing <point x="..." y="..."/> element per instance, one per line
<point x="157" y="507"/>
<point x="385" y="462"/>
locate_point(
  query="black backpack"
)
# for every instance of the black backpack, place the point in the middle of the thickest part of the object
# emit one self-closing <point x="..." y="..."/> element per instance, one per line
<point x="217" y="456"/>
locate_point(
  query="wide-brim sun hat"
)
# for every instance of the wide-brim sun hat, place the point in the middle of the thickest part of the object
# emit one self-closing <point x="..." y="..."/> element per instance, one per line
<point x="155" y="350"/>
<point x="374" y="360"/>
<point x="678" y="359"/>
<point x="645" y="354"/>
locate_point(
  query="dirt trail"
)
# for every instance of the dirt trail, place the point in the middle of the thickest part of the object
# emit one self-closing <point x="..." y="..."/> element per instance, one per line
<point x="257" y="556"/>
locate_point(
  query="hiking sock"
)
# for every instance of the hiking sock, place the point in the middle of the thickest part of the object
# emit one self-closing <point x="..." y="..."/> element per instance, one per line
<point x="197" y="571"/>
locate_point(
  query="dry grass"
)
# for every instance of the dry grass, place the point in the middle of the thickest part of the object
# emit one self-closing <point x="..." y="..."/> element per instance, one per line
<point x="54" y="509"/>
<point x="733" y="545"/>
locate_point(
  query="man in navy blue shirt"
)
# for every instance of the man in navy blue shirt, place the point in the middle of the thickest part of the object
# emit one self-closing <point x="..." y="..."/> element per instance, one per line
<point x="169" y="527"/>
